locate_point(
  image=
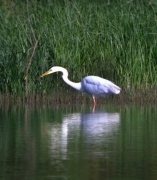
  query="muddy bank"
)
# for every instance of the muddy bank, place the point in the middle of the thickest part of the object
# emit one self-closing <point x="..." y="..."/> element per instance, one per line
<point x="74" y="97"/>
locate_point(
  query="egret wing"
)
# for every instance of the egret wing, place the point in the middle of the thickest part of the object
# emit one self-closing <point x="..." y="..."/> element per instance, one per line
<point x="95" y="85"/>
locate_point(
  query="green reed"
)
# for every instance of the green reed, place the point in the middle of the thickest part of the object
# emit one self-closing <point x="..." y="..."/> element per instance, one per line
<point x="116" y="41"/>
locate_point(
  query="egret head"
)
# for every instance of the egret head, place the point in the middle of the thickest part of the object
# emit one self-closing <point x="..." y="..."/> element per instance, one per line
<point x="53" y="70"/>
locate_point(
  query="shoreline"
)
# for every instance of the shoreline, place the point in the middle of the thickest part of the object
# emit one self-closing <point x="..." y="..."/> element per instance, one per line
<point x="74" y="97"/>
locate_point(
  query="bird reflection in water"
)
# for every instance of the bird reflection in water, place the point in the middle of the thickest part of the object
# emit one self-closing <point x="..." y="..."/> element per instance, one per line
<point x="95" y="127"/>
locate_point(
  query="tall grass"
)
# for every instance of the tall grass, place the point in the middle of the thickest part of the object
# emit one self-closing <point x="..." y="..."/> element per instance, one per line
<point x="114" y="39"/>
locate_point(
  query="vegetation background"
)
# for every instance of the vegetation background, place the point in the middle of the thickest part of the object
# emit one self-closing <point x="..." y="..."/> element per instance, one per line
<point x="114" y="39"/>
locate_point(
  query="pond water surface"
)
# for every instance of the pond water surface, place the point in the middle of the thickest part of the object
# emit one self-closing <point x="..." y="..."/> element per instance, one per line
<point x="75" y="143"/>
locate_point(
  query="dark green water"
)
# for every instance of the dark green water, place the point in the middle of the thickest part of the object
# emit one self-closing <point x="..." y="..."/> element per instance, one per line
<point x="74" y="143"/>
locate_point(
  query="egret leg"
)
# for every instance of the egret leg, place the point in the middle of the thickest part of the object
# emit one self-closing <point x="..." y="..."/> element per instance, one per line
<point x="94" y="101"/>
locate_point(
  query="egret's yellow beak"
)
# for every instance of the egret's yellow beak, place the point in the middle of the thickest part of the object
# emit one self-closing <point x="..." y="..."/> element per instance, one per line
<point x="46" y="73"/>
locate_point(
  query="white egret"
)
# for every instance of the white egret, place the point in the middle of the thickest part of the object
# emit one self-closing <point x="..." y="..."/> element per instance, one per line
<point x="92" y="85"/>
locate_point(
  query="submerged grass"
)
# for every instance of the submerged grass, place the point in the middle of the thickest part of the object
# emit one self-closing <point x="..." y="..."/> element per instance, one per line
<point x="116" y="41"/>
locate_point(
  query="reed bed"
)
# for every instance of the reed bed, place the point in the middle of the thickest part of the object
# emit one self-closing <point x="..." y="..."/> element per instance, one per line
<point x="116" y="40"/>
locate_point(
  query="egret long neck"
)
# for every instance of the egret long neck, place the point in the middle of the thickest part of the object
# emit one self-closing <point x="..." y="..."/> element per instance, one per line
<point x="72" y="84"/>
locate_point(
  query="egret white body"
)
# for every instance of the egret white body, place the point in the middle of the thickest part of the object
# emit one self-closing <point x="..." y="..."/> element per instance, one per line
<point x="93" y="85"/>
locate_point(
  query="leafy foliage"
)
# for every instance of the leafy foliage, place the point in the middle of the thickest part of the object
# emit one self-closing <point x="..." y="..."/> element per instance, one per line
<point x="115" y="39"/>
